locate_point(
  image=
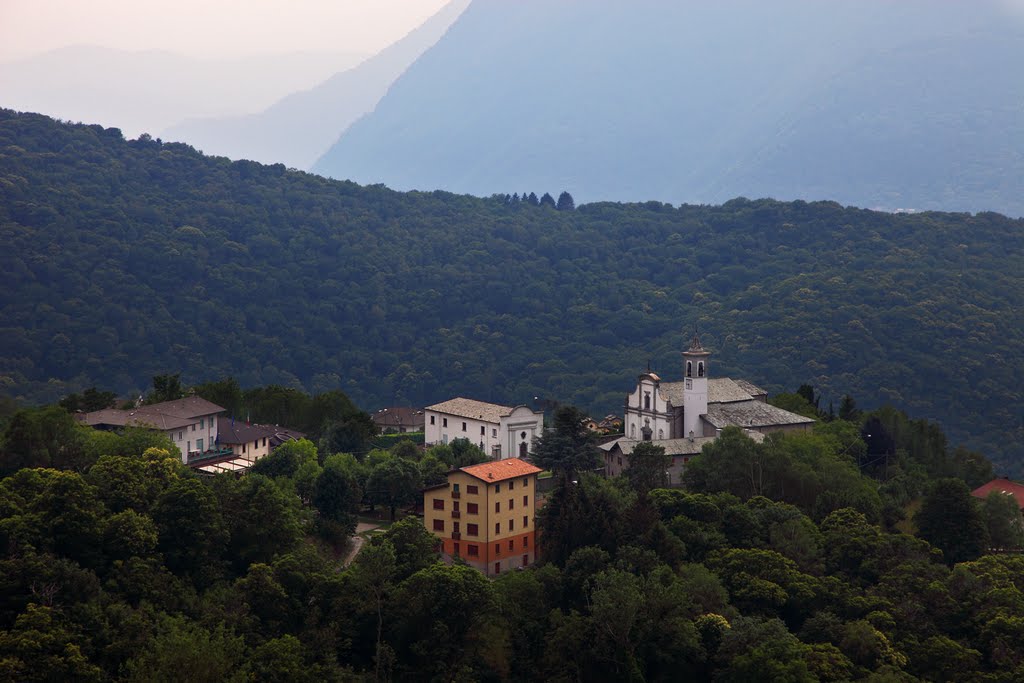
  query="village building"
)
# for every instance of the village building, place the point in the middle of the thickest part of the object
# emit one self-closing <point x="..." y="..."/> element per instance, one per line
<point x="485" y="515"/>
<point x="241" y="444"/>
<point x="500" y="431"/>
<point x="192" y="423"/>
<point x="398" y="420"/>
<point x="1002" y="485"/>
<point x="683" y="416"/>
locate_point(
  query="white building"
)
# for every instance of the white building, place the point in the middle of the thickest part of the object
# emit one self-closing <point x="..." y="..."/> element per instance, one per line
<point x="500" y="431"/>
<point x="699" y="406"/>
<point x="190" y="422"/>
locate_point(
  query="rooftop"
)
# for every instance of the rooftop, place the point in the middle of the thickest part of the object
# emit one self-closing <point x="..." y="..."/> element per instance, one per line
<point x="166" y="415"/>
<point x="500" y="470"/>
<point x="1001" y="485"/>
<point x="398" y="416"/>
<point x="751" y="413"/>
<point x="683" y="446"/>
<point x="720" y="390"/>
<point x="467" y="407"/>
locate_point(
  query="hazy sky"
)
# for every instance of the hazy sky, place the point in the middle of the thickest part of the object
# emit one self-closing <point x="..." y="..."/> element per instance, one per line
<point x="209" y="28"/>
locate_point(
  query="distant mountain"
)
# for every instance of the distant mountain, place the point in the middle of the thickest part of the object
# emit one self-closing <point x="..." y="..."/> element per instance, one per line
<point x="912" y="104"/>
<point x="146" y="91"/>
<point x="127" y="259"/>
<point x="299" y="128"/>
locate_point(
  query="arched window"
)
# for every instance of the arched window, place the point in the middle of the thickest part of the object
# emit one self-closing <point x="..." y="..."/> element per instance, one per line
<point x="632" y="431"/>
<point x="647" y="401"/>
<point x="689" y="369"/>
<point x="522" y="450"/>
<point x="700" y="369"/>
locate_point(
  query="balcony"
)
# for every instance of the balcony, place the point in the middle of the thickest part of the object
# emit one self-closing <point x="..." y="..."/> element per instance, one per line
<point x="456" y="535"/>
<point x="456" y="514"/>
<point x="456" y="495"/>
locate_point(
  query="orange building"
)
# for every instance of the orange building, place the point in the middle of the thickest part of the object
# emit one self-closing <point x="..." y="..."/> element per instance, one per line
<point x="485" y="514"/>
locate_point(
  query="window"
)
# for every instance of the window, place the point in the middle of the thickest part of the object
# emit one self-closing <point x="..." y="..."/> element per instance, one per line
<point x="689" y="384"/>
<point x="526" y="560"/>
<point x="511" y="545"/>
<point x="689" y="369"/>
<point x="444" y="438"/>
<point x="455" y="505"/>
<point x="700" y="369"/>
<point x="526" y="501"/>
<point x="511" y="485"/>
<point x="483" y="430"/>
<point x="264" y="441"/>
<point x="463" y="426"/>
<point x="193" y="426"/>
<point x="497" y="527"/>
<point x="243" y="447"/>
<point x="180" y="436"/>
<point x="438" y="525"/>
<point x="199" y="445"/>
<point x="526" y="541"/>
<point x="439" y="503"/>
<point x="497" y="549"/>
<point x="256" y="443"/>
<point x="523" y="450"/>
<point x="647" y="401"/>
<point x="455" y="488"/>
<point x="526" y="521"/>
<point x="473" y="550"/>
<point x="472" y="508"/>
<point x="497" y="567"/>
<point x="213" y="422"/>
<point x="494" y="433"/>
<point x="472" y="490"/>
<point x="444" y="421"/>
<point x="526" y="481"/>
<point x="497" y="506"/>
<point x="202" y="423"/>
<point x="511" y="524"/>
<point x="472" y="530"/>
<point x="455" y="527"/>
<point x="432" y="419"/>
<point x="455" y="551"/>
<point x="497" y="488"/>
<point x="511" y="504"/>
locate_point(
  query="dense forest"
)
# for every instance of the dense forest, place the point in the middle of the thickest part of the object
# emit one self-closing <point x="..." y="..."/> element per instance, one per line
<point x="787" y="560"/>
<point x="126" y="259"/>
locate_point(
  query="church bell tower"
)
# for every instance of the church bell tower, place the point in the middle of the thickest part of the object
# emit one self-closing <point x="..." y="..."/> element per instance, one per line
<point x="695" y="387"/>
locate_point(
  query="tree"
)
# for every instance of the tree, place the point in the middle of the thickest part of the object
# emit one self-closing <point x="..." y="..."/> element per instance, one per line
<point x="336" y="498"/>
<point x="42" y="647"/>
<point x="1003" y="520"/>
<point x="949" y="519"/>
<point x="415" y="548"/>
<point x="394" y="482"/>
<point x="374" y="573"/>
<point x="848" y="409"/>
<point x="165" y="388"/>
<point x="89" y="400"/>
<point x="565" y="202"/>
<point x="286" y="459"/>
<point x="226" y="393"/>
<point x="569" y="448"/>
<point x="193" y="534"/>
<point x="648" y="467"/>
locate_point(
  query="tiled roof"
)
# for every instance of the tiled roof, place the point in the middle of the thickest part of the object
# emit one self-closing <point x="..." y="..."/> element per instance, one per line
<point x="166" y="415"/>
<point x="1003" y="486"/>
<point x="751" y="414"/>
<point x="467" y="407"/>
<point x="398" y="416"/>
<point x="671" y="446"/>
<point x="240" y="432"/>
<point x="750" y="388"/>
<point x="499" y="470"/>
<point x="721" y="390"/>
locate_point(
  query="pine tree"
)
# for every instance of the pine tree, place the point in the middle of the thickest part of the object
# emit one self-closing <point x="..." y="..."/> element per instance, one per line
<point x="565" y="202"/>
<point x="547" y="200"/>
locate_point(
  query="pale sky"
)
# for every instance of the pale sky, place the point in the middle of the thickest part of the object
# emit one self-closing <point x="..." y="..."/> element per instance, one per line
<point x="209" y="28"/>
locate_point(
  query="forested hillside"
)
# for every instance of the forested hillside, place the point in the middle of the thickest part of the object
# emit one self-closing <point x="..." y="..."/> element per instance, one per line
<point x="127" y="259"/>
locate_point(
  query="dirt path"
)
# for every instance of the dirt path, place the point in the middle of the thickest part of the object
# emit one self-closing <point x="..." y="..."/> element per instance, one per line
<point x="362" y="530"/>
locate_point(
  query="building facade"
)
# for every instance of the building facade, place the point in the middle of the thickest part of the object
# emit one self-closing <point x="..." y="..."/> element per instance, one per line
<point x="485" y="514"/>
<point x="500" y="431"/>
<point x="191" y="422"/>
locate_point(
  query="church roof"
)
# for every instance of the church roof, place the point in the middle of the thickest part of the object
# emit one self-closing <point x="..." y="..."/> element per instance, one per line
<point x="751" y="414"/>
<point x="476" y="410"/>
<point x="721" y="390"/>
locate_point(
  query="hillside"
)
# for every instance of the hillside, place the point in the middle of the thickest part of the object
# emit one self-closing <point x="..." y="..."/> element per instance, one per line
<point x="126" y="259"/>
<point x="879" y="104"/>
<point x="298" y="128"/>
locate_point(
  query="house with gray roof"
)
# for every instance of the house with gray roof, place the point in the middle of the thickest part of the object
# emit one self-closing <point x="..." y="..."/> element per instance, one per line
<point x="500" y="431"/>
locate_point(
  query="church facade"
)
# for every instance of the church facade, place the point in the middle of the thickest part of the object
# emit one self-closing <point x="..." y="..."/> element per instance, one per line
<point x="699" y="406"/>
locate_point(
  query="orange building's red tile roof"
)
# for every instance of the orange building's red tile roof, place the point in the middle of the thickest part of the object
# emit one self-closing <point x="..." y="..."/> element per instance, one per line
<point x="499" y="470"/>
<point x="1004" y="486"/>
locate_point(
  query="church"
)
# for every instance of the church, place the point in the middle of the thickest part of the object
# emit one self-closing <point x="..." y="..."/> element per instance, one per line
<point x="683" y="416"/>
